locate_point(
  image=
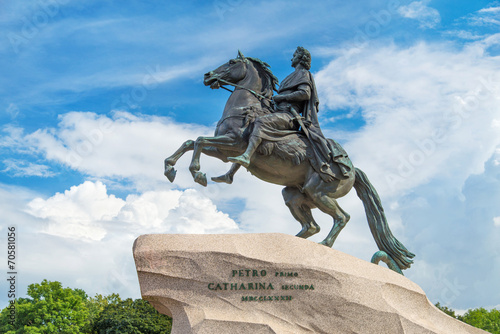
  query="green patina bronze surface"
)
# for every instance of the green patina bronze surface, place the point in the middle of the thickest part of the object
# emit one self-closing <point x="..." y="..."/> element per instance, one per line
<point x="278" y="139"/>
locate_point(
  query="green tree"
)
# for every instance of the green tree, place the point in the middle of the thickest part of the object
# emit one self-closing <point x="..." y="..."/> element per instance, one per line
<point x="484" y="319"/>
<point x="479" y="317"/>
<point x="51" y="309"/>
<point x="131" y="317"/>
<point x="95" y="306"/>
<point x="446" y="310"/>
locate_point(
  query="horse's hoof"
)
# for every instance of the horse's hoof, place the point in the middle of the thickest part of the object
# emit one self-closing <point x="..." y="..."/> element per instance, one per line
<point x="387" y="259"/>
<point x="324" y="243"/>
<point x="170" y="173"/>
<point x="201" y="178"/>
<point x="302" y="233"/>
<point x="313" y="230"/>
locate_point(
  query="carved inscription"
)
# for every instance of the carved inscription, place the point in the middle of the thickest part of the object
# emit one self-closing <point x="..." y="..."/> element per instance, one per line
<point x="264" y="286"/>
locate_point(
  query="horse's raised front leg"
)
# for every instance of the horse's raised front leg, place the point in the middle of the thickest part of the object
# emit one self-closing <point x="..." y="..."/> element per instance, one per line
<point x="202" y="142"/>
<point x="228" y="177"/>
<point x="170" y="162"/>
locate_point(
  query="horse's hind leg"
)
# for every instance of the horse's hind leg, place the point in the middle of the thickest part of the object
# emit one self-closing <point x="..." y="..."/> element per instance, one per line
<point x="340" y="218"/>
<point x="300" y="206"/>
<point x="172" y="160"/>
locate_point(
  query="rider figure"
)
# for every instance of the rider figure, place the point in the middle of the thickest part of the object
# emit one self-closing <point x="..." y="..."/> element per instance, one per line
<point x="296" y="108"/>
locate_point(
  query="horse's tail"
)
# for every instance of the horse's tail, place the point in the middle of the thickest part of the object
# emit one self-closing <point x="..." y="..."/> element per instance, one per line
<point x="386" y="242"/>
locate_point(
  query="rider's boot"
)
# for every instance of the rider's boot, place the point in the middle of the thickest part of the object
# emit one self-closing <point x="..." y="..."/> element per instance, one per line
<point x="244" y="159"/>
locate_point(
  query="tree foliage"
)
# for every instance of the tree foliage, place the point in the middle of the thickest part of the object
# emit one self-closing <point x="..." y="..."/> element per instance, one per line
<point x="479" y="317"/>
<point x="131" y="317"/>
<point x="95" y="306"/>
<point x="484" y="319"/>
<point x="51" y="308"/>
<point x="446" y="310"/>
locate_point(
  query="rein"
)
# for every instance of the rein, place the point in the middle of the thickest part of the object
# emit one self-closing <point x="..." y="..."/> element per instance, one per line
<point x="241" y="87"/>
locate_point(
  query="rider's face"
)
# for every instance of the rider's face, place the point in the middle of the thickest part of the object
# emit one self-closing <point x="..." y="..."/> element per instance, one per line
<point x="296" y="59"/>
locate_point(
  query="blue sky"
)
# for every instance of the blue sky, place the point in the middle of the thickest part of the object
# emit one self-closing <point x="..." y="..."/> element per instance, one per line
<point x="96" y="94"/>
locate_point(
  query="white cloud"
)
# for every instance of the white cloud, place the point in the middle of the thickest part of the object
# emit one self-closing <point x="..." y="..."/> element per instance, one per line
<point x="486" y="17"/>
<point x="418" y="10"/>
<point x="463" y="34"/>
<point x="125" y="146"/>
<point x="83" y="237"/>
<point x="428" y="108"/>
<point x="79" y="212"/>
<point x="141" y="80"/>
<point x="133" y="148"/>
<point x="460" y="228"/>
<point x="484" y="21"/>
<point x="490" y="10"/>
<point x="14" y="140"/>
<point x="197" y="214"/>
<point x="20" y="168"/>
<point x="87" y="212"/>
<point x="175" y="212"/>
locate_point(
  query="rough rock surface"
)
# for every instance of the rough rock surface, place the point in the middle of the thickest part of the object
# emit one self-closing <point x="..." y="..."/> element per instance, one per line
<point x="276" y="283"/>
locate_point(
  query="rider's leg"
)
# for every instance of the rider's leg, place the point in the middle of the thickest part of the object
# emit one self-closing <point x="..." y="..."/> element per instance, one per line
<point x="244" y="159"/>
<point x="268" y="125"/>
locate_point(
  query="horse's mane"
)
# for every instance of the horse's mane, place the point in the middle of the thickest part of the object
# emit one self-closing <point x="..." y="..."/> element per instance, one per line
<point x="269" y="80"/>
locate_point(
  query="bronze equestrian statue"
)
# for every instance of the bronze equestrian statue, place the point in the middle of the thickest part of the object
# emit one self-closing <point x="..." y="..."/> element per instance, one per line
<point x="279" y="140"/>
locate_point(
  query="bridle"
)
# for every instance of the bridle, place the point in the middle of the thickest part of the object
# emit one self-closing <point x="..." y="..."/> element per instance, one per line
<point x="241" y="87"/>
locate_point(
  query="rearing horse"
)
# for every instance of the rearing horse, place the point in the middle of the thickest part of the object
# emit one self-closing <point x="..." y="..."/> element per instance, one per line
<point x="285" y="162"/>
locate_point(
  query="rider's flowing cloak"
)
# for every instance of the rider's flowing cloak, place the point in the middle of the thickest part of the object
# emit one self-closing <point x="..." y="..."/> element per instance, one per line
<point x="325" y="151"/>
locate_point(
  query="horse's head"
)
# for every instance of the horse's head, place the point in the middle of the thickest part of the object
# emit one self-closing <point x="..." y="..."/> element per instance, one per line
<point x="231" y="72"/>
